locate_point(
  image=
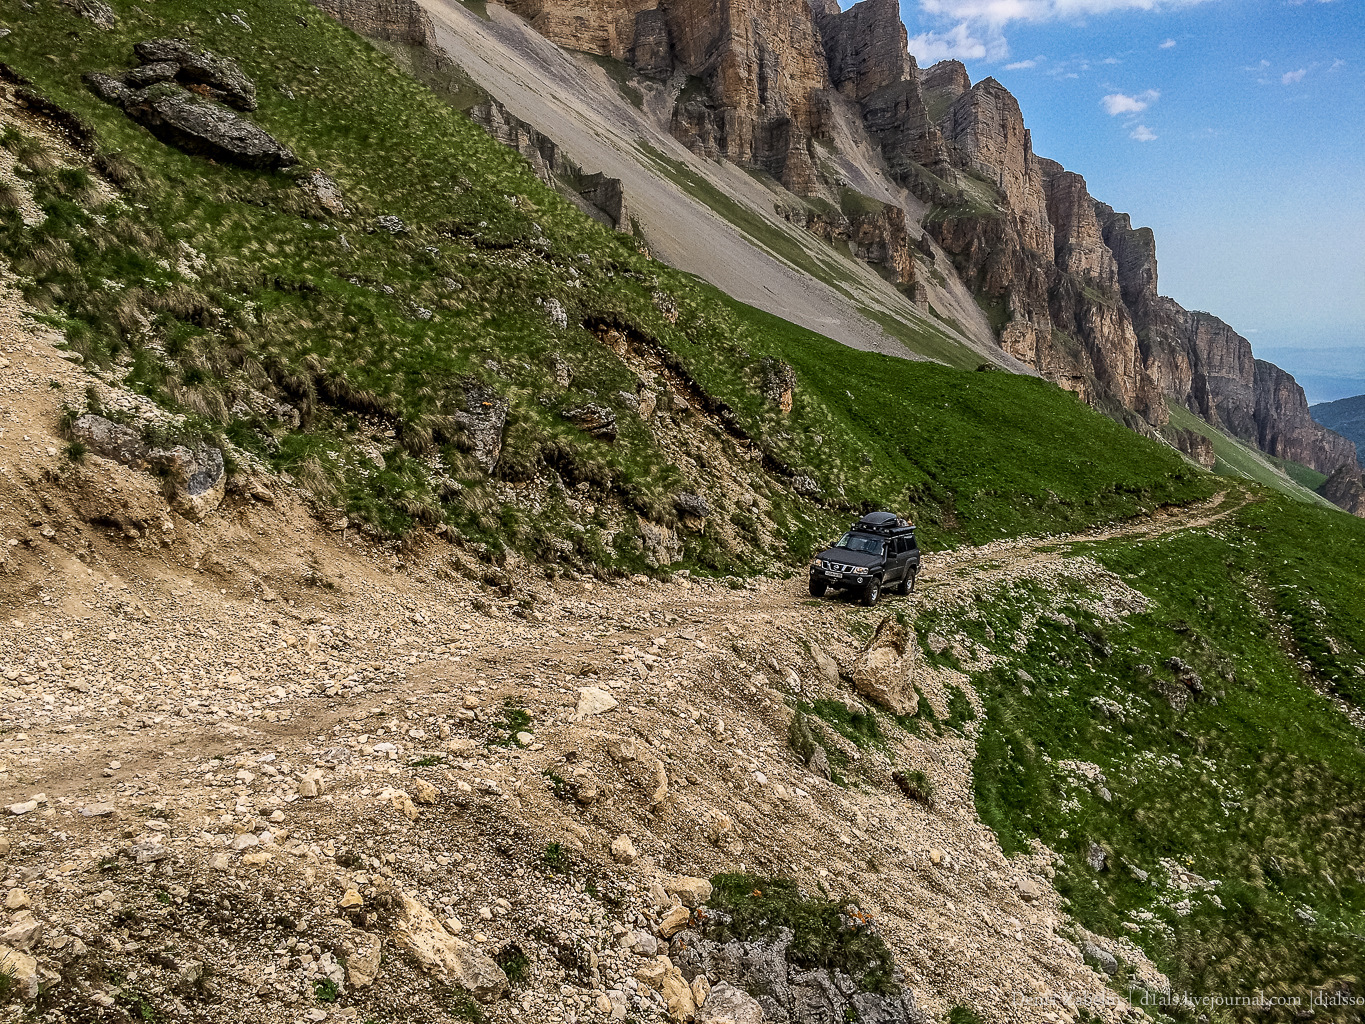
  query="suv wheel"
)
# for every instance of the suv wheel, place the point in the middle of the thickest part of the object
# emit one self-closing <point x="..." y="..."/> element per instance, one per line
<point x="818" y="588"/>
<point x="903" y="587"/>
<point x="914" y="575"/>
<point x="871" y="592"/>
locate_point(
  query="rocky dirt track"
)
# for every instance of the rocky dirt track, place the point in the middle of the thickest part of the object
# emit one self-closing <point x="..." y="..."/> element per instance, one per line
<point x="256" y="769"/>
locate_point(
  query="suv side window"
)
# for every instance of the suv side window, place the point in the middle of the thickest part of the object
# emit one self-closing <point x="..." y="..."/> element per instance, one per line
<point x="912" y="544"/>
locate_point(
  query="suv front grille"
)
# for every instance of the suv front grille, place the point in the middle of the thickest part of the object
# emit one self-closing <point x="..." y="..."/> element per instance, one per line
<point x="837" y="567"/>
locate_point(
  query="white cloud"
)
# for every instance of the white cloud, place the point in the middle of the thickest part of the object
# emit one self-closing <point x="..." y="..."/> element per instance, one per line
<point x="977" y="26"/>
<point x="1120" y="103"/>
<point x="1142" y="133"/>
<point x="1111" y="60"/>
<point x="1022" y="65"/>
<point x="1167" y="44"/>
<point x="1002" y="12"/>
<point x="959" y="43"/>
<point x="1290" y="77"/>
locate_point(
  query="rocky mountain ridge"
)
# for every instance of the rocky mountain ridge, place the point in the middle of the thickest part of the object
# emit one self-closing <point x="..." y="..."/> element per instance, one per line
<point x="1070" y="285"/>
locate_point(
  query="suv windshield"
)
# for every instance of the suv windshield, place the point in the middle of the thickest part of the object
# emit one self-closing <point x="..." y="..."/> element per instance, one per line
<point x="858" y="542"/>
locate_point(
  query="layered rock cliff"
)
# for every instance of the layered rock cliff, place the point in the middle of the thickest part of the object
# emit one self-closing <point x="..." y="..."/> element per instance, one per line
<point x="1199" y="361"/>
<point x="1070" y="285"/>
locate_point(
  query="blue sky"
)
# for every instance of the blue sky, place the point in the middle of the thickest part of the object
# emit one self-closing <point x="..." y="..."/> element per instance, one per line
<point x="1235" y="129"/>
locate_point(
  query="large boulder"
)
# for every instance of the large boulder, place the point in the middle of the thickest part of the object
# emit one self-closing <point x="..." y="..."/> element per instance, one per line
<point x="664" y="978"/>
<point x="195" y="477"/>
<point x="730" y="1005"/>
<point x="109" y="439"/>
<point x="199" y="127"/>
<point x="451" y="960"/>
<point x="883" y="673"/>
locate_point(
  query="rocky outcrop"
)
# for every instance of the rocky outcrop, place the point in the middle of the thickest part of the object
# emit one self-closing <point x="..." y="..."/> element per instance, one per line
<point x="157" y="95"/>
<point x="109" y="439"/>
<point x="785" y="990"/>
<point x="1345" y="488"/>
<point x="1284" y="427"/>
<point x="482" y="420"/>
<point x="866" y="48"/>
<point x="194" y="477"/>
<point x="395" y="21"/>
<point x="602" y="197"/>
<point x="874" y="232"/>
<point x="1196" y="446"/>
<point x="540" y="151"/>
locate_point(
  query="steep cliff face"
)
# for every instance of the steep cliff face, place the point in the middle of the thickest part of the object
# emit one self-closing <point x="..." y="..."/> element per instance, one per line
<point x="984" y="129"/>
<point x="1203" y="364"/>
<point x="1345" y="488"/>
<point x="1078" y="242"/>
<point x="1068" y="283"/>
<point x="866" y="47"/>
<point x="1285" y="428"/>
<point x="606" y="27"/>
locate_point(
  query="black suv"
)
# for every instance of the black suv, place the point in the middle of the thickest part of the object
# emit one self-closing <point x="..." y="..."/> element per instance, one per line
<point x="878" y="551"/>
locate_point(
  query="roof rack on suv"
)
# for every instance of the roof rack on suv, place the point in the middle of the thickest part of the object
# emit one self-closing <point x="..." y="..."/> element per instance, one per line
<point x="882" y="522"/>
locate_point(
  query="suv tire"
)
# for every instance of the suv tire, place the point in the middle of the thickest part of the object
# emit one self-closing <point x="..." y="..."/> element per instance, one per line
<point x="871" y="592"/>
<point x="903" y="587"/>
<point x="818" y="588"/>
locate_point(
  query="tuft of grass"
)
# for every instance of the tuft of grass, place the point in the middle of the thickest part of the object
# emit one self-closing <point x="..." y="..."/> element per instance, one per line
<point x="428" y="761"/>
<point x="557" y="858"/>
<point x="326" y="990"/>
<point x="515" y="964"/>
<point x="915" y="785"/>
<point x="835" y="936"/>
<point x="515" y="719"/>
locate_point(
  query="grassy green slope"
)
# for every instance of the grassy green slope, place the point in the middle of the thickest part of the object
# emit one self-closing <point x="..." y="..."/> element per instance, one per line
<point x="1257" y="784"/>
<point x="1237" y="459"/>
<point x="226" y="281"/>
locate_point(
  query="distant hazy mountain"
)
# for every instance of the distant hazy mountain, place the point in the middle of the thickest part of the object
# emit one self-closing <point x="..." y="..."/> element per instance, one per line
<point x="1346" y="417"/>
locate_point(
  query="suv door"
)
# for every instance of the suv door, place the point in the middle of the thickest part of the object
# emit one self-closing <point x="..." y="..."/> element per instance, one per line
<point x="895" y="561"/>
